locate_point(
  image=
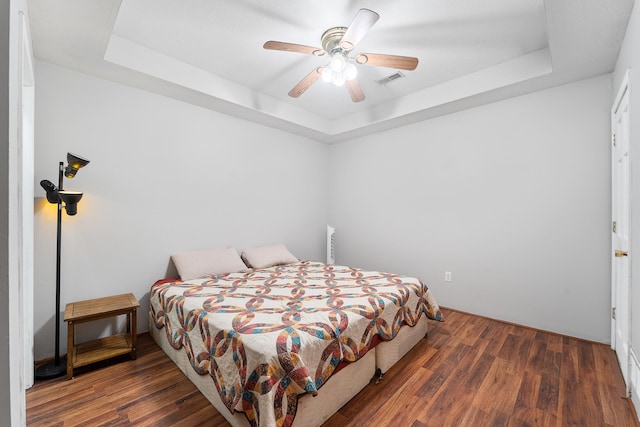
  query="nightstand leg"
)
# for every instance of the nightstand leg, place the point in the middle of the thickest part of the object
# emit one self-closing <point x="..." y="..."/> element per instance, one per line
<point x="70" y="344"/>
<point x="134" y="334"/>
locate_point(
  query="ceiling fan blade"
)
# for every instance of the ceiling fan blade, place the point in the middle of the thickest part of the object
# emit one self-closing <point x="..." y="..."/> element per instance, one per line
<point x="391" y="61"/>
<point x="306" y="83"/>
<point x="362" y="22"/>
<point x="292" y="47"/>
<point x="355" y="91"/>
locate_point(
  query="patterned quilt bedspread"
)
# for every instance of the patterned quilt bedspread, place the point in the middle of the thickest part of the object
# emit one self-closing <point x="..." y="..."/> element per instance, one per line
<point x="268" y="335"/>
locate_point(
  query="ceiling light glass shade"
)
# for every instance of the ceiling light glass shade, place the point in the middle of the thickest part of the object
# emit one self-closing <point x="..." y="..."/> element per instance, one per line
<point x="339" y="70"/>
<point x="75" y="162"/>
<point x="350" y="72"/>
<point x="338" y="62"/>
<point x="70" y="199"/>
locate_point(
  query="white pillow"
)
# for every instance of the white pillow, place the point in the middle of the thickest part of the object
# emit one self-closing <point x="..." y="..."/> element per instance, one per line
<point x="191" y="265"/>
<point x="267" y="256"/>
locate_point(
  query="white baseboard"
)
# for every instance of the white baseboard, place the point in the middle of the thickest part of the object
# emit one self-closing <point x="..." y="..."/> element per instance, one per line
<point x="634" y="382"/>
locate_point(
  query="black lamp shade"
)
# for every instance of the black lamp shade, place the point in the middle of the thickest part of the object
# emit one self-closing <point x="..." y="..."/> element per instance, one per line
<point x="51" y="189"/>
<point x="75" y="162"/>
<point x="70" y="199"/>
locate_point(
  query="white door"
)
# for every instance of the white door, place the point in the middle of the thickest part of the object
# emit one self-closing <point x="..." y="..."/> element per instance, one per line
<point x="620" y="272"/>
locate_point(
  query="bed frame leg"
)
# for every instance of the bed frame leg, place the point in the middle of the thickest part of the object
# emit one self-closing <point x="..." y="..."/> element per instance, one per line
<point x="377" y="377"/>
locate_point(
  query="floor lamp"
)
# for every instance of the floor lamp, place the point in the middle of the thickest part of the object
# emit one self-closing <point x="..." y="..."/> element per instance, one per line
<point x="69" y="200"/>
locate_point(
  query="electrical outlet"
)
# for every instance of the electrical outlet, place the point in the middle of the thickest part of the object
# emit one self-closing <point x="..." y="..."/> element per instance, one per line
<point x="447" y="276"/>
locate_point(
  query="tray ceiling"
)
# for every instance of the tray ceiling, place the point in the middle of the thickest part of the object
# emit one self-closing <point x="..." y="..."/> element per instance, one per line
<point x="209" y="52"/>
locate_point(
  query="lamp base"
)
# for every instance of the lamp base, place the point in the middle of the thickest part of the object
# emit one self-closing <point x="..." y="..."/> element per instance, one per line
<point x="51" y="370"/>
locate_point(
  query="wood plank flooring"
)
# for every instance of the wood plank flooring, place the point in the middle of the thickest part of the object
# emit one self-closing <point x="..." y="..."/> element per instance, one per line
<point x="470" y="371"/>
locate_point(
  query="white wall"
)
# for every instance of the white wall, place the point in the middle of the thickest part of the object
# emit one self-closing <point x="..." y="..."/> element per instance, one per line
<point x="513" y="198"/>
<point x="629" y="58"/>
<point x="164" y="177"/>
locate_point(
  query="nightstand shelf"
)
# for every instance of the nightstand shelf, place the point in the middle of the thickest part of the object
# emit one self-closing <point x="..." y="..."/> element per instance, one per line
<point x="102" y="348"/>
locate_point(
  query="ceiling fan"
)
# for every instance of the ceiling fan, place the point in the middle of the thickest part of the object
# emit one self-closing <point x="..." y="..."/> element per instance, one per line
<point x="337" y="43"/>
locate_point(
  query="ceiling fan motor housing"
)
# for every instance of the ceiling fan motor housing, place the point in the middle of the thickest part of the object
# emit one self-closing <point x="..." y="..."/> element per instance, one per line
<point x="331" y="39"/>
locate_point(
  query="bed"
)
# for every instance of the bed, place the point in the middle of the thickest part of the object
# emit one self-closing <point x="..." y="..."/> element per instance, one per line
<point x="288" y="344"/>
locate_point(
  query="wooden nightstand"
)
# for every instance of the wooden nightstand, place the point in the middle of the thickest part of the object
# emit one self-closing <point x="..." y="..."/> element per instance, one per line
<point x="102" y="348"/>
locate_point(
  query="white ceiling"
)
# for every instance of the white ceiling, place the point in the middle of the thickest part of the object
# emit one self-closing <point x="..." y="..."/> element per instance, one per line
<point x="209" y="52"/>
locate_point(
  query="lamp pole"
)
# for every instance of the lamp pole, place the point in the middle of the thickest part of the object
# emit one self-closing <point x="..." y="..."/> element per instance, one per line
<point x="59" y="366"/>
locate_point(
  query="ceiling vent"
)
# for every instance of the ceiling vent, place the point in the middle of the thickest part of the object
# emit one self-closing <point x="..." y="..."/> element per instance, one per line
<point x="389" y="79"/>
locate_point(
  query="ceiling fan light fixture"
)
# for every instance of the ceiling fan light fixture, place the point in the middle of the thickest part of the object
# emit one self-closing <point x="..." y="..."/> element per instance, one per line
<point x="338" y="62"/>
<point x="338" y="80"/>
<point x="339" y="69"/>
<point x="350" y="71"/>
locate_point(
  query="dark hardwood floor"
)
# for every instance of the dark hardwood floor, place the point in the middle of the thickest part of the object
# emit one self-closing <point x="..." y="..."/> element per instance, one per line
<point x="470" y="371"/>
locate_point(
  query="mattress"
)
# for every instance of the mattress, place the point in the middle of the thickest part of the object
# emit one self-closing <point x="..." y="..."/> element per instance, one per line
<point x="255" y="342"/>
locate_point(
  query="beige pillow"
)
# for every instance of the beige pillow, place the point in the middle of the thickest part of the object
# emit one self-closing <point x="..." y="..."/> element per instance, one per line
<point x="267" y="256"/>
<point x="195" y="264"/>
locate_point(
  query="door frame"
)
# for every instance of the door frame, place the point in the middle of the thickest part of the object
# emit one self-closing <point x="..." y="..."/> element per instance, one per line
<point x="623" y="90"/>
<point x="25" y="177"/>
